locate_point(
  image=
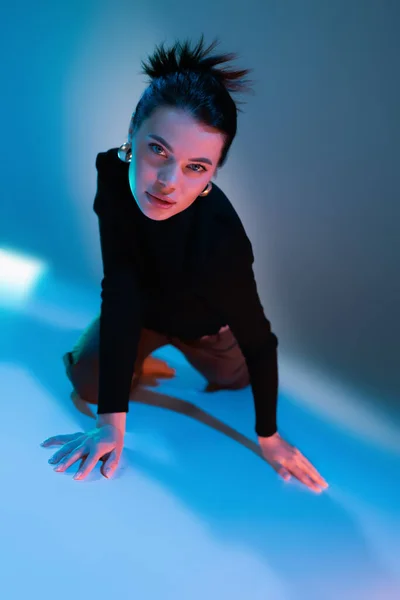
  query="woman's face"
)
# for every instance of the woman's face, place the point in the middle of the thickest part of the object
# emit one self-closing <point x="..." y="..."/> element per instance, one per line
<point x="173" y="157"/>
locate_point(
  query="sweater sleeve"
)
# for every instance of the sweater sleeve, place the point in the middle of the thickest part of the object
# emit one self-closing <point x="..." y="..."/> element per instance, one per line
<point x="233" y="292"/>
<point x="120" y="316"/>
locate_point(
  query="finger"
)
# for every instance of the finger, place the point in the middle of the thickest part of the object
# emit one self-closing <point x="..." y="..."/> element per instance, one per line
<point x="302" y="476"/>
<point x="300" y="457"/>
<point x="284" y="473"/>
<point x="281" y="470"/>
<point x="311" y="470"/>
<point x="60" y="440"/>
<point x="87" y="466"/>
<point x="110" y="465"/>
<point x="65" y="450"/>
<point x="71" y="458"/>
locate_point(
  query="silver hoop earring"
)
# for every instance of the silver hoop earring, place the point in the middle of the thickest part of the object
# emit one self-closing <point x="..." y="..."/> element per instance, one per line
<point x="125" y="152"/>
<point x="207" y="190"/>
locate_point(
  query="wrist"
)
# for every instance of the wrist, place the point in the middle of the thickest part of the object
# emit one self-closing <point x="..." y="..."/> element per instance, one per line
<point x="267" y="438"/>
<point x="265" y="430"/>
<point x="118" y="420"/>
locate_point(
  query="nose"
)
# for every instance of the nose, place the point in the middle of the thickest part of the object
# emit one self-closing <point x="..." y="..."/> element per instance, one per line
<point x="167" y="180"/>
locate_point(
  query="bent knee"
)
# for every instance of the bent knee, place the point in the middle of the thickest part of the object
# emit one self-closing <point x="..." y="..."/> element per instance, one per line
<point x="230" y="382"/>
<point x="83" y="376"/>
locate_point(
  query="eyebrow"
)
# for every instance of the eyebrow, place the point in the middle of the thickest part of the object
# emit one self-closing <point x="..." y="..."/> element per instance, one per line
<point x="160" y="139"/>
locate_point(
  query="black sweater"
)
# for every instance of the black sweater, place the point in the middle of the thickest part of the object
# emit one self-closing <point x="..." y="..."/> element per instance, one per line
<point x="186" y="276"/>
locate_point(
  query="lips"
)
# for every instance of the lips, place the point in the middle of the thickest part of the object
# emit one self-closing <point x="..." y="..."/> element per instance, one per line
<point x="162" y="199"/>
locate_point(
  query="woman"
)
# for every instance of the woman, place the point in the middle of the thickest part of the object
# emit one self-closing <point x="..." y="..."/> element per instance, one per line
<point x="177" y="265"/>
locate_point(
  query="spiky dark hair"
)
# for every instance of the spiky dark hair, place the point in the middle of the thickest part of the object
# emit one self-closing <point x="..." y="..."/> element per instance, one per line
<point x="190" y="79"/>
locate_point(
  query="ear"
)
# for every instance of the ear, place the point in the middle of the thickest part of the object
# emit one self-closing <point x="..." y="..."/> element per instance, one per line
<point x="130" y="132"/>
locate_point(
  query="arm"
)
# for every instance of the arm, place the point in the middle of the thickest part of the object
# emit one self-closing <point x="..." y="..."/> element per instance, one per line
<point x="231" y="291"/>
<point x="120" y="317"/>
<point x="235" y="296"/>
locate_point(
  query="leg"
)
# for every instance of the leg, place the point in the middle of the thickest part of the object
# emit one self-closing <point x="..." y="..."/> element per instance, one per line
<point x="218" y="358"/>
<point x="82" y="363"/>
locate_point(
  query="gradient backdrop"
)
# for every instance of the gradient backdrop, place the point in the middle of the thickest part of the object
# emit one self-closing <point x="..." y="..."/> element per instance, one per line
<point x="313" y="171"/>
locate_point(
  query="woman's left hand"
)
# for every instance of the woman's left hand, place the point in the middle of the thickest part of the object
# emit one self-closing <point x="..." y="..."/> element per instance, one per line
<point x="288" y="461"/>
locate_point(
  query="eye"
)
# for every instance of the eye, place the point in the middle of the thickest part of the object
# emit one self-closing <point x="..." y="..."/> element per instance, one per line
<point x="201" y="167"/>
<point x="195" y="165"/>
<point x="155" y="146"/>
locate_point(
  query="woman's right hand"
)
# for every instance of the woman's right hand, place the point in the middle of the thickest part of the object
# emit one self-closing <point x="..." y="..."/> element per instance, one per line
<point x="104" y="443"/>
